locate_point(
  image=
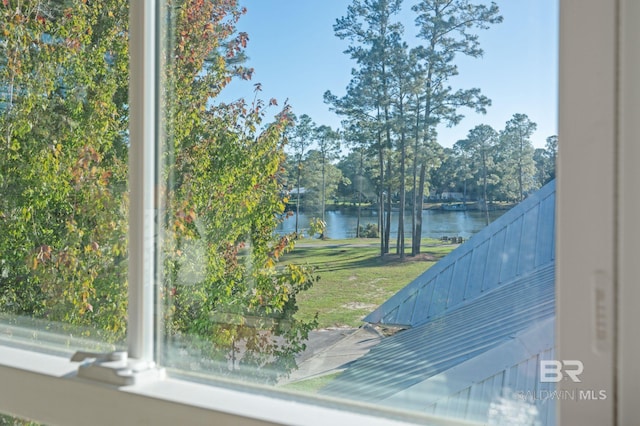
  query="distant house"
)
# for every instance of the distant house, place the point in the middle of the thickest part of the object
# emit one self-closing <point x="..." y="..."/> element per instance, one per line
<point x="452" y="196"/>
<point x="298" y="192"/>
<point x="477" y="324"/>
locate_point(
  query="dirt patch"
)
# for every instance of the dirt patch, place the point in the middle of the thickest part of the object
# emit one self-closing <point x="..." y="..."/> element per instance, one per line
<point x="359" y="305"/>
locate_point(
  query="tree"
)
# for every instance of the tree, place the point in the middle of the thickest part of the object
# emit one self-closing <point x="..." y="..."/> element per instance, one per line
<point x="320" y="177"/>
<point x="545" y="160"/>
<point x="373" y="34"/>
<point x="302" y="138"/>
<point x="328" y="141"/>
<point x="447" y="26"/>
<point x="445" y="177"/>
<point x="358" y="167"/>
<point x="516" y="154"/>
<point x="405" y="71"/>
<point x="551" y="154"/>
<point x="464" y="167"/>
<point x="227" y="299"/>
<point x="63" y="163"/>
<point x="480" y="146"/>
<point x="63" y="171"/>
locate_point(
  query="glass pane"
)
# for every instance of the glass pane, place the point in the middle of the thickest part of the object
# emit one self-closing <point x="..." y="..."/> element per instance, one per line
<point x="358" y="201"/>
<point x="63" y="173"/>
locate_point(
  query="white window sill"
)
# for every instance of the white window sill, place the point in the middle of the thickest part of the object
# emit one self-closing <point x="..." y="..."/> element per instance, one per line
<point x="45" y="388"/>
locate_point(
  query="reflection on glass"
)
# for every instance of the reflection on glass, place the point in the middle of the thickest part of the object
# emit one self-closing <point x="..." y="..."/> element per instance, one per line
<point x="230" y="308"/>
<point x="63" y="168"/>
<point x="439" y="296"/>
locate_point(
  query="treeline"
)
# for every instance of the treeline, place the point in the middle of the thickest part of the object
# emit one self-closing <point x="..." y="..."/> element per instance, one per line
<point x="488" y="166"/>
<point x="397" y="97"/>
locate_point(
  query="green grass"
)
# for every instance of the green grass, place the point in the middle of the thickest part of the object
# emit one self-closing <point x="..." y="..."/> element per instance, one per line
<point x="354" y="279"/>
<point x="311" y="385"/>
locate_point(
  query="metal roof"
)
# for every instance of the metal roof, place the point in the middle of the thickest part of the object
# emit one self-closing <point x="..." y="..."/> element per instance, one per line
<point x="481" y="319"/>
<point x="492" y="384"/>
<point x="515" y="244"/>
<point x="414" y="355"/>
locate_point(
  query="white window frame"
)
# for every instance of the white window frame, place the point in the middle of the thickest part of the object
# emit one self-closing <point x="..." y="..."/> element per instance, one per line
<point x="597" y="268"/>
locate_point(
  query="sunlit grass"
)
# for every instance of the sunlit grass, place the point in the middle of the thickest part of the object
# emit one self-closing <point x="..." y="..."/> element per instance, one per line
<point x="354" y="279"/>
<point x="311" y="385"/>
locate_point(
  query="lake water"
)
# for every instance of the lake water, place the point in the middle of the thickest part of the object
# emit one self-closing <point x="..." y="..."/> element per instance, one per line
<point x="435" y="223"/>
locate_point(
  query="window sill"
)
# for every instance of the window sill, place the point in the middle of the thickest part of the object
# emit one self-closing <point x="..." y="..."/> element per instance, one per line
<point x="45" y="388"/>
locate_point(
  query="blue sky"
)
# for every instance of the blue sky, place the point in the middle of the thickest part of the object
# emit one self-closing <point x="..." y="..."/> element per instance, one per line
<point x="296" y="56"/>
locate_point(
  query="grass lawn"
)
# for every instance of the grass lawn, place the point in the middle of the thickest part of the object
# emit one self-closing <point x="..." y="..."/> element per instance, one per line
<point x="311" y="385"/>
<point x="354" y="279"/>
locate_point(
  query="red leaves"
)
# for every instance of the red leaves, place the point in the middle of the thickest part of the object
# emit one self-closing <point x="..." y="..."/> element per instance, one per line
<point x="247" y="73"/>
<point x="43" y="253"/>
<point x="281" y="247"/>
<point x="184" y="216"/>
<point x="242" y="39"/>
<point x="81" y="171"/>
<point x="208" y="28"/>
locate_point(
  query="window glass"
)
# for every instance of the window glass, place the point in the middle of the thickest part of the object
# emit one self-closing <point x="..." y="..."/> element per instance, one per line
<point x="358" y="200"/>
<point x="63" y="172"/>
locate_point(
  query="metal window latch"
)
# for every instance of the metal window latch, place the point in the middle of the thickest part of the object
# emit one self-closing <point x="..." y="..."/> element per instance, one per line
<point x="116" y="368"/>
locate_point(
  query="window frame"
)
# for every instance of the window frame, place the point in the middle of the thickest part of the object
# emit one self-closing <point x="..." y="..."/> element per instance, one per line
<point x="586" y="276"/>
<point x="599" y="103"/>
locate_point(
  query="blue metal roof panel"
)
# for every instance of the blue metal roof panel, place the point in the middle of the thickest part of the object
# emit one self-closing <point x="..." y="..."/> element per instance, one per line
<point x="477" y="270"/>
<point x="545" y="247"/>
<point x="487" y="387"/>
<point x="412" y="356"/>
<point x="513" y="245"/>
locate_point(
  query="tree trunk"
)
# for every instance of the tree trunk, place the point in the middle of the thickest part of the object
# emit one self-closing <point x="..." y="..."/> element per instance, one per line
<point x="415" y="206"/>
<point x="401" y="211"/>
<point x="324" y="199"/>
<point x="359" y="198"/>
<point x="381" y="194"/>
<point x="298" y="197"/>
<point x="387" y="226"/>
<point x="417" y="240"/>
<point x="484" y="187"/>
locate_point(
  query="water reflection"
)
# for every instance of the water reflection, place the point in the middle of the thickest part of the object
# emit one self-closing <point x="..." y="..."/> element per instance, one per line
<point x="436" y="223"/>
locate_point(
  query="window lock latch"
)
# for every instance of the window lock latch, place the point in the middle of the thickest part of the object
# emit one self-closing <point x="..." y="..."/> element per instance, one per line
<point x="116" y="368"/>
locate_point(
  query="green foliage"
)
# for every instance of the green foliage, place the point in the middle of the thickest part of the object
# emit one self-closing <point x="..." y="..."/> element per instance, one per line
<point x="320" y="180"/>
<point x="397" y="96"/>
<point x="317" y="226"/>
<point x="369" y="231"/>
<point x="226" y="295"/>
<point x="63" y="162"/>
<point x="63" y="178"/>
<point x="14" y="421"/>
<point x="516" y="157"/>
